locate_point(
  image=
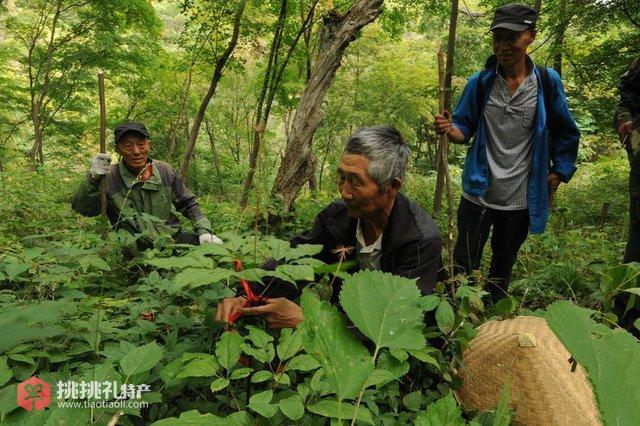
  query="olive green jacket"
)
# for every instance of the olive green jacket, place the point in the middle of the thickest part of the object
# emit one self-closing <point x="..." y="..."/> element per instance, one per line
<point x="142" y="207"/>
<point x="629" y="105"/>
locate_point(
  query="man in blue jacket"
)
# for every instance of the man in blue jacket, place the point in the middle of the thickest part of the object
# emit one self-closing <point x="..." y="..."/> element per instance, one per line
<point x="525" y="144"/>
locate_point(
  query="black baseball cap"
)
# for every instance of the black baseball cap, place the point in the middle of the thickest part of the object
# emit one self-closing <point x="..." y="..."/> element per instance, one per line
<point x="130" y="126"/>
<point x="514" y="17"/>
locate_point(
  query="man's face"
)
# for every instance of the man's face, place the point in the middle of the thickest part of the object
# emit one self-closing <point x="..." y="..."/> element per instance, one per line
<point x="511" y="46"/>
<point x="362" y="195"/>
<point x="134" y="149"/>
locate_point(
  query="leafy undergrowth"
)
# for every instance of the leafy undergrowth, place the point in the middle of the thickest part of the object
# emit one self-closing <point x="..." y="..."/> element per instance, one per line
<point x="72" y="308"/>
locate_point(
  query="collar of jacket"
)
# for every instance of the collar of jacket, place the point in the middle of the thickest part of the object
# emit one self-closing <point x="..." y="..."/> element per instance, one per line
<point x="129" y="179"/>
<point x="400" y="230"/>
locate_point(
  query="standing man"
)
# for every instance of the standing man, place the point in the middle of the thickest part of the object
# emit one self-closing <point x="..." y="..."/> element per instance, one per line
<point x="627" y="121"/>
<point x="141" y="192"/>
<point x="525" y="144"/>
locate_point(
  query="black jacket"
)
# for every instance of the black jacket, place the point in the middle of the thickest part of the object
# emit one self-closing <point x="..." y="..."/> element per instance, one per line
<point x="629" y="103"/>
<point x="411" y="244"/>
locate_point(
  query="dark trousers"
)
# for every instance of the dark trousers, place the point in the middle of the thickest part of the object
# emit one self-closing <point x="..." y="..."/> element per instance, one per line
<point x="510" y="230"/>
<point x="632" y="252"/>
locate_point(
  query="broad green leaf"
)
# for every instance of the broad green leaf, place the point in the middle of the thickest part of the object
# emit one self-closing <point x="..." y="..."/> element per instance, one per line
<point x="342" y="411"/>
<point x="379" y="376"/>
<point x="240" y="373"/>
<point x="635" y="290"/>
<point x="5" y="371"/>
<point x="14" y="269"/>
<point x="22" y="358"/>
<point x="292" y="407"/>
<point x="212" y="249"/>
<point x="346" y="363"/>
<point x="194" y="418"/>
<point x="179" y="262"/>
<point x="228" y="349"/>
<point x="619" y="278"/>
<point x="260" y="403"/>
<point x="399" y="354"/>
<point x="94" y="261"/>
<point x="261" y="376"/>
<point x="204" y="365"/>
<point x="297" y="272"/>
<point x="219" y="383"/>
<point x="445" y="317"/>
<point x="141" y="359"/>
<point x="265" y="354"/>
<point x="303" y="362"/>
<point x="197" y="277"/>
<point x="289" y="344"/>
<point x="506" y="305"/>
<point x="259" y="337"/>
<point x="303" y="250"/>
<point x="282" y="379"/>
<point x="429" y="303"/>
<point x="424" y="356"/>
<point x="636" y="324"/>
<point x="384" y="308"/>
<point x="35" y="321"/>
<point x="443" y="412"/>
<point x="413" y="400"/>
<point x="503" y="414"/>
<point x="8" y="399"/>
<point x="611" y="359"/>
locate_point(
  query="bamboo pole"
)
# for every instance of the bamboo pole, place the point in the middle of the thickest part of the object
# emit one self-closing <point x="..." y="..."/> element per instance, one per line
<point x="103" y="141"/>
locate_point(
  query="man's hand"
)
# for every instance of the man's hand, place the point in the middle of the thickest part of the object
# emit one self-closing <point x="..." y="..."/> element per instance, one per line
<point x="625" y="130"/>
<point x="442" y="126"/>
<point x="279" y="312"/>
<point x="100" y="164"/>
<point x="209" y="239"/>
<point x="553" y="181"/>
<point x="228" y="307"/>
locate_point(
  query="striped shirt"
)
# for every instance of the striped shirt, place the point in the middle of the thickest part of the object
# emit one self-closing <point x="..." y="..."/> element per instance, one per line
<point x="509" y="119"/>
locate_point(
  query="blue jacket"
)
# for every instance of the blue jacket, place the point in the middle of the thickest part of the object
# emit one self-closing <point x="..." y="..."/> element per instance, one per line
<point x="555" y="147"/>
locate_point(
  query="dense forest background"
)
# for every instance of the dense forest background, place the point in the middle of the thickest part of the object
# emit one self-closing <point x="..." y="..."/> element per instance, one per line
<point x="252" y="102"/>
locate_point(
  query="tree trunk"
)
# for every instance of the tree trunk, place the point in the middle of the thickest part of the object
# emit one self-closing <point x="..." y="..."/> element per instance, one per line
<point x="217" y="75"/>
<point x="183" y="101"/>
<point x="37" y="101"/>
<point x="272" y="79"/>
<point x="538" y="6"/>
<point x="214" y="156"/>
<point x="559" y="39"/>
<point x="443" y="148"/>
<point x="299" y="161"/>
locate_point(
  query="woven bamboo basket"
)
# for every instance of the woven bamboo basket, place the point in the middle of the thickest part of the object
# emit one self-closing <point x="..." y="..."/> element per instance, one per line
<point x="543" y="389"/>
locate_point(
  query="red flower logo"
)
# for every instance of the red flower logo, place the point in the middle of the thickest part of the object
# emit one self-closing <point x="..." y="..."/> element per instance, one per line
<point x="34" y="393"/>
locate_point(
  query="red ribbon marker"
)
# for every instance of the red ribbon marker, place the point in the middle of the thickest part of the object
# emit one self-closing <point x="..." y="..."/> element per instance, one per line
<point x="252" y="298"/>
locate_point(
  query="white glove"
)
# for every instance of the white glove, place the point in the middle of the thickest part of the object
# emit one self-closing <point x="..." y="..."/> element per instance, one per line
<point x="209" y="238"/>
<point x="100" y="164"/>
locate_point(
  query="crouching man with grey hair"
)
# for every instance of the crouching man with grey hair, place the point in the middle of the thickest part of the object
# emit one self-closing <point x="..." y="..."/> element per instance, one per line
<point x="386" y="230"/>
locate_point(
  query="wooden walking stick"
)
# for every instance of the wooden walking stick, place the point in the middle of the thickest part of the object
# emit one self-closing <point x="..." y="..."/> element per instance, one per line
<point x="444" y="144"/>
<point x="103" y="141"/>
<point x="441" y="153"/>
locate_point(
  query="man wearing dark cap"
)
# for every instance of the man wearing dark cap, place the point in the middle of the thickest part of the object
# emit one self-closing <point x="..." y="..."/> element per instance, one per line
<point x="141" y="192"/>
<point x="525" y="143"/>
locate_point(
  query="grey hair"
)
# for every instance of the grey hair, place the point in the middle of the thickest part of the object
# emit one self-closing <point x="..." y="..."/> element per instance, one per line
<point x="386" y="150"/>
